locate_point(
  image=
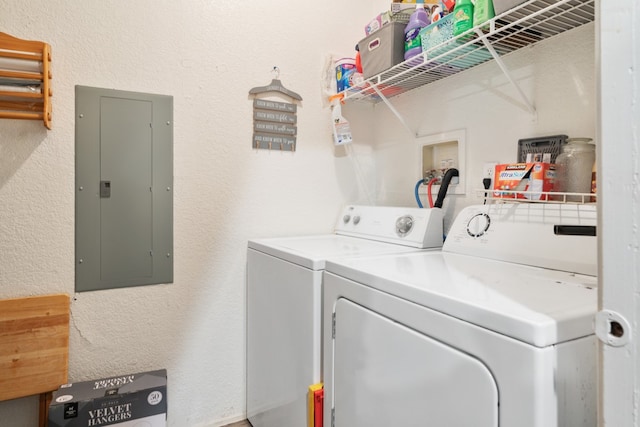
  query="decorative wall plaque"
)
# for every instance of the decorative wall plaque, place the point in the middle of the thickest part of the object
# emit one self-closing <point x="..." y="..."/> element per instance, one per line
<point x="274" y="123"/>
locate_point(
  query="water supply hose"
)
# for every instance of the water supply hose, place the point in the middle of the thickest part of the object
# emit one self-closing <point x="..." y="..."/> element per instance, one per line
<point x="429" y="196"/>
<point x="416" y="191"/>
<point x="446" y="179"/>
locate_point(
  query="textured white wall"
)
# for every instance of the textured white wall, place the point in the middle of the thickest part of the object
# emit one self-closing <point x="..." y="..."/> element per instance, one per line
<point x="207" y="55"/>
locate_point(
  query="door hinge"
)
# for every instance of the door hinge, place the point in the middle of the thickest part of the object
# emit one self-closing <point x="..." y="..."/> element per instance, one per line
<point x="333" y="325"/>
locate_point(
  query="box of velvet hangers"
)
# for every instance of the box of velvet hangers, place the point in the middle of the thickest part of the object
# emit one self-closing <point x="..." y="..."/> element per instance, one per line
<point x="124" y="400"/>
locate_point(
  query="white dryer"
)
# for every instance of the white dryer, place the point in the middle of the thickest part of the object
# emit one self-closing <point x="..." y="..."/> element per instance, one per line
<point x="284" y="301"/>
<point x="494" y="330"/>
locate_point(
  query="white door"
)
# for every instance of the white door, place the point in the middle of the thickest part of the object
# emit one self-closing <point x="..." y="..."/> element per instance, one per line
<point x="386" y="374"/>
<point x="618" y="59"/>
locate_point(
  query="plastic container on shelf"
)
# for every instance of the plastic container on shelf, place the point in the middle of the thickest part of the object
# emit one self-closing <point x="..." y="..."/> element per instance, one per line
<point x="482" y="12"/>
<point x="412" y="42"/>
<point x="345" y="69"/>
<point x="462" y="17"/>
<point x="436" y="13"/>
<point x="574" y="166"/>
<point x="449" y="4"/>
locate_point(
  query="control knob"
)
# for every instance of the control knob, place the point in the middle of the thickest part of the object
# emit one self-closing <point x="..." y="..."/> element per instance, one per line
<point x="478" y="225"/>
<point x="404" y="224"/>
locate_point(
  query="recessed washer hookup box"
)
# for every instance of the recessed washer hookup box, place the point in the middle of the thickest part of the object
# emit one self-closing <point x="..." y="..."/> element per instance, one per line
<point x="134" y="400"/>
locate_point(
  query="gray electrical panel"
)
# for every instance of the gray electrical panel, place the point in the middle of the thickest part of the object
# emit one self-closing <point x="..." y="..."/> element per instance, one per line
<point x="124" y="189"/>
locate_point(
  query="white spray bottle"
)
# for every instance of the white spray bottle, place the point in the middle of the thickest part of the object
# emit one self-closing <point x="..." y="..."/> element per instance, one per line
<point x="340" y="125"/>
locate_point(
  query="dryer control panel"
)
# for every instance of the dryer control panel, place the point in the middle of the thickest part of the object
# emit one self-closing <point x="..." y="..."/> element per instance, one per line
<point x="556" y="236"/>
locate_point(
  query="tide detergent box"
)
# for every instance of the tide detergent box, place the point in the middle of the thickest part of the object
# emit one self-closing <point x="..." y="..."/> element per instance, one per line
<point x="524" y="180"/>
<point x="125" y="401"/>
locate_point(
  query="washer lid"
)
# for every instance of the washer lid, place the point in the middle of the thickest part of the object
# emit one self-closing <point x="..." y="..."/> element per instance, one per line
<point x="312" y="251"/>
<point x="538" y="306"/>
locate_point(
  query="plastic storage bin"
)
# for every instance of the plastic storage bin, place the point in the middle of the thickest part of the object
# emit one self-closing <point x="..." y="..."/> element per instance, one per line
<point x="437" y="42"/>
<point x="382" y="49"/>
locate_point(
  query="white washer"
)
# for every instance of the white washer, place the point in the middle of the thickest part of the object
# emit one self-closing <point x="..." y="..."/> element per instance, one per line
<point x="284" y="297"/>
<point x="494" y="330"/>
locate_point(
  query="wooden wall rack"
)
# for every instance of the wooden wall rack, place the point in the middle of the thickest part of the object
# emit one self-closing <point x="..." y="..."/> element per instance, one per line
<point x="25" y="79"/>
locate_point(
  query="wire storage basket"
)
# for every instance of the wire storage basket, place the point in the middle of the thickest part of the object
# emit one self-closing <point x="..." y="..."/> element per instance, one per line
<point x="540" y="146"/>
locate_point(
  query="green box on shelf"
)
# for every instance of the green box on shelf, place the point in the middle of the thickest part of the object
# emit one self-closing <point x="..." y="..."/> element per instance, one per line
<point x="438" y="39"/>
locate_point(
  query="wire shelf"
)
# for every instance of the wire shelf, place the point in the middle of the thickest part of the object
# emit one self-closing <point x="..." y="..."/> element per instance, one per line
<point x="514" y="196"/>
<point x="522" y="26"/>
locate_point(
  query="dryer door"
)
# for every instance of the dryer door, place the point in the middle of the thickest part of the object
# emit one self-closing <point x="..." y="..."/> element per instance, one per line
<point x="386" y="374"/>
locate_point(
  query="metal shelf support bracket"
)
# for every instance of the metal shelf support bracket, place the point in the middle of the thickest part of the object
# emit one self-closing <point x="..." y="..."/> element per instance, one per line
<point x="506" y="72"/>
<point x="393" y="110"/>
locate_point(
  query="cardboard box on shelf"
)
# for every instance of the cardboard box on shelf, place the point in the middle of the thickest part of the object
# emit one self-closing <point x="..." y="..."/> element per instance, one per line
<point x="536" y="178"/>
<point x="399" y="7"/>
<point x="378" y="22"/>
<point x="127" y="400"/>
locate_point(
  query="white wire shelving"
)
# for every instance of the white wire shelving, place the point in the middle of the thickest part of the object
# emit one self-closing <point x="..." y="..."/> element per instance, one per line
<point x="514" y="196"/>
<point x="517" y="28"/>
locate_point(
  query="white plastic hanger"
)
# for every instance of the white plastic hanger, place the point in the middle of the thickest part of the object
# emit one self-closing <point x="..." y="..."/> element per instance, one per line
<point x="275" y="86"/>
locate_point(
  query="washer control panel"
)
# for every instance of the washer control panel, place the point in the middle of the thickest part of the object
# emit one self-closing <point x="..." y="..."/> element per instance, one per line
<point x="420" y="228"/>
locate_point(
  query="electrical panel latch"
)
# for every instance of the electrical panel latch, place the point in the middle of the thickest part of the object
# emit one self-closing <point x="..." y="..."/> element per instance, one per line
<point x="105" y="189"/>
